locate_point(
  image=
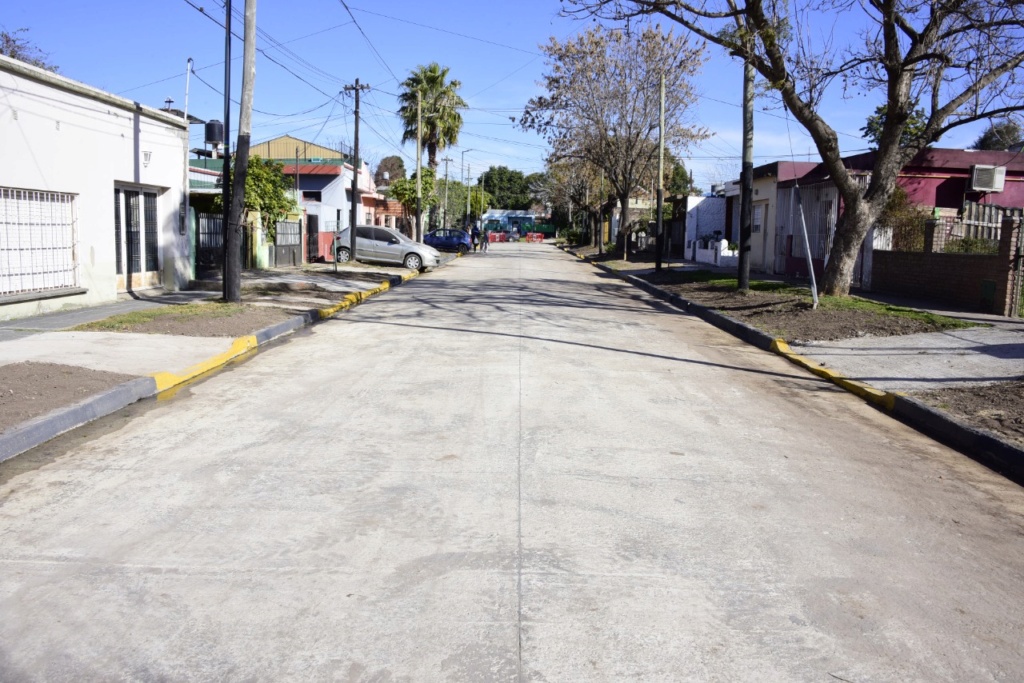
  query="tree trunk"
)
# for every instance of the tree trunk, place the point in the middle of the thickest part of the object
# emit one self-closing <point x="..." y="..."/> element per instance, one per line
<point x="624" y="225"/>
<point x="851" y="230"/>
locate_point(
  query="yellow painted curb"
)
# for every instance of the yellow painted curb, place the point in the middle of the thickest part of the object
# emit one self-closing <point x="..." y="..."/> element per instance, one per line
<point x="240" y="346"/>
<point x="883" y="399"/>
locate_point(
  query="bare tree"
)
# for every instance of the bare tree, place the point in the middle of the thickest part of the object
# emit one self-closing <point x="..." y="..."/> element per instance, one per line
<point x="13" y="45"/>
<point x="959" y="60"/>
<point x="603" y="98"/>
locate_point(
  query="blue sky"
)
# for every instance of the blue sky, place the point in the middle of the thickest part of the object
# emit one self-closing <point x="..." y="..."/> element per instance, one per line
<point x="139" y="50"/>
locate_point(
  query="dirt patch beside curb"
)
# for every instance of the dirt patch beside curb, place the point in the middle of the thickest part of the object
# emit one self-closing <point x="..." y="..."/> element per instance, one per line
<point x="30" y="390"/>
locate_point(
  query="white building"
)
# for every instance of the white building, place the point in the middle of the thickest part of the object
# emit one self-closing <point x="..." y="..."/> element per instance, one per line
<point x="90" y="194"/>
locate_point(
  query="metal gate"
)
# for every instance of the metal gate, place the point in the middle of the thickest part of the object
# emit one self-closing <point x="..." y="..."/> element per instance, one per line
<point x="312" y="239"/>
<point x="210" y="243"/>
<point x="288" y="243"/>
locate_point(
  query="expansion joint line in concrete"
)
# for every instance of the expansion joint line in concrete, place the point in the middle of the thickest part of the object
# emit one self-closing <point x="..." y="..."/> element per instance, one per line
<point x="519" y="501"/>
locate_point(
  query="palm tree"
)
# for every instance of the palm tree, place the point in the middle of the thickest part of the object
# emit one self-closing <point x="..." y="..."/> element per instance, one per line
<point x="439" y="109"/>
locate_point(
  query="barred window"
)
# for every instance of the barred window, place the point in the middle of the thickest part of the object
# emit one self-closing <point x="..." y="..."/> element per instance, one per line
<point x="38" y="235"/>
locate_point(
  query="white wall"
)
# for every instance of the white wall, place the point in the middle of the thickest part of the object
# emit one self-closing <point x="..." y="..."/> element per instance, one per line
<point x="704" y="215"/>
<point x="61" y="136"/>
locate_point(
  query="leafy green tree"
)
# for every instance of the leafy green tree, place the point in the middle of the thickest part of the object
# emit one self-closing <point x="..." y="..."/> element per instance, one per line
<point x="678" y="180"/>
<point x="455" y="212"/>
<point x="394" y="166"/>
<point x="13" y="45"/>
<point x="913" y="130"/>
<point x="439" y="109"/>
<point x="268" y="192"/>
<point x="999" y="136"/>
<point x="479" y="202"/>
<point x="404" y="190"/>
<point x="508" y="188"/>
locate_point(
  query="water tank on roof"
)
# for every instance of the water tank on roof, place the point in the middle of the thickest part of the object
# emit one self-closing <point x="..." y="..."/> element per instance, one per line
<point x="214" y="133"/>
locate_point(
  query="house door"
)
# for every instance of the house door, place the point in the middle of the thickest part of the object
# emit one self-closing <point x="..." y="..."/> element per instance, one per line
<point x="137" y="254"/>
<point x="210" y="244"/>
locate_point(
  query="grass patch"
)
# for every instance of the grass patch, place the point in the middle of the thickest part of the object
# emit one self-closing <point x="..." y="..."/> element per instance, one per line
<point x="853" y="303"/>
<point x="126" y="321"/>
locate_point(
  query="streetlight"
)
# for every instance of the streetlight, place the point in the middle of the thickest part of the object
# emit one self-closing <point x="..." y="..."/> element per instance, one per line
<point x="465" y="223"/>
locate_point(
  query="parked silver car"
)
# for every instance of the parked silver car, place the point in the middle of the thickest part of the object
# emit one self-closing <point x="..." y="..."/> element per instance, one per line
<point x="385" y="245"/>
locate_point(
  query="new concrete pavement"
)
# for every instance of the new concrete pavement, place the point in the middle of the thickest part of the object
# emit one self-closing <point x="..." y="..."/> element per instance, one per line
<point x="517" y="468"/>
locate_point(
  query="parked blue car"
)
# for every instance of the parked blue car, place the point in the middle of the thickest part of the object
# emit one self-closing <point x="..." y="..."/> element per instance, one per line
<point x="449" y="240"/>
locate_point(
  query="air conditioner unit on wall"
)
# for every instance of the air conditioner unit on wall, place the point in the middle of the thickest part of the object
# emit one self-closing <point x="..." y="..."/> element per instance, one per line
<point x="987" y="178"/>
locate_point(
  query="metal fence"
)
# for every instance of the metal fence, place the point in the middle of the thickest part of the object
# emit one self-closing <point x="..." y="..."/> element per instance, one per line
<point x="976" y="230"/>
<point x="38" y="239"/>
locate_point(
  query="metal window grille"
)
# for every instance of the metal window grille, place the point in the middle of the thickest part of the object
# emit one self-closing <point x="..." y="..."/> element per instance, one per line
<point x="133" y="241"/>
<point x="38" y="239"/>
<point x="117" y="232"/>
<point x="152" y="253"/>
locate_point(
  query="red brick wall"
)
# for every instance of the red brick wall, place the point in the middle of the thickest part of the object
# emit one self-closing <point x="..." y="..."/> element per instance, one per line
<point x="949" y="278"/>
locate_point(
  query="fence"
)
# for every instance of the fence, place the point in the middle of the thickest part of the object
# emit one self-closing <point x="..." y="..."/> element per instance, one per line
<point x="983" y="279"/>
<point x="976" y="230"/>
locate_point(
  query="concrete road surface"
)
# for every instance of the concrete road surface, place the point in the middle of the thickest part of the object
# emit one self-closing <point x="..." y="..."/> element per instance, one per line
<point x="515" y="468"/>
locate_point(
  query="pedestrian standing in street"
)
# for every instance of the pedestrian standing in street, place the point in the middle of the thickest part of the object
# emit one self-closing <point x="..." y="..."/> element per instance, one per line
<point x="476" y="237"/>
<point x="485" y="239"/>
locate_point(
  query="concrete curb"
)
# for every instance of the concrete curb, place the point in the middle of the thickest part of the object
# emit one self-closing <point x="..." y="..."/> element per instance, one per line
<point x="977" y="444"/>
<point x="43" y="428"/>
<point x="46" y="427"/>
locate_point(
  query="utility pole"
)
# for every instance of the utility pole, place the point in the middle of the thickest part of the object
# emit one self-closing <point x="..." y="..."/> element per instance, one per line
<point x="225" y="197"/>
<point x="600" y="217"/>
<point x="444" y="215"/>
<point x="659" y="243"/>
<point x="233" y="238"/>
<point x="469" y="191"/>
<point x="419" y="166"/>
<point x="747" y="176"/>
<point x="357" y="165"/>
<point x="462" y="166"/>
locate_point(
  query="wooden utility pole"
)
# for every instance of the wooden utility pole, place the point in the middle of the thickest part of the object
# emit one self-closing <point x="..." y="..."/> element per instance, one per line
<point x="747" y="176"/>
<point x="353" y="216"/>
<point x="225" y="175"/>
<point x="233" y="234"/>
<point x="444" y="215"/>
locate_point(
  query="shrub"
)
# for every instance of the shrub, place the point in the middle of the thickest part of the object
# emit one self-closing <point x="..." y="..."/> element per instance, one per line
<point x="972" y="245"/>
<point x="573" y="235"/>
<point x="906" y="221"/>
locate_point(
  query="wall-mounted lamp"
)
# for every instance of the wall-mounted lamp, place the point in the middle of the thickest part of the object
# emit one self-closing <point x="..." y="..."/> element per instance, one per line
<point x="146" y="156"/>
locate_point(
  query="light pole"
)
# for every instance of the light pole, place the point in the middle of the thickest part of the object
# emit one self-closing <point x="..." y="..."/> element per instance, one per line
<point x="465" y="222"/>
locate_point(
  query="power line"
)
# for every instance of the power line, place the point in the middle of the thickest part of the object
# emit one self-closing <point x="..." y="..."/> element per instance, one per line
<point x="261" y="51"/>
<point x="368" y="41"/>
<point x="443" y="30"/>
<point x="265" y="113"/>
